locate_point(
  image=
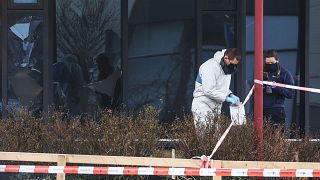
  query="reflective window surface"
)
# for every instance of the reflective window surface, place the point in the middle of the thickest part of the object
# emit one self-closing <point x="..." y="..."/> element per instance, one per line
<point x="87" y="71"/>
<point x="25" y="61"/>
<point x="161" y="59"/>
<point x="218" y="4"/>
<point x="1" y="39"/>
<point x="314" y="65"/>
<point x="218" y="32"/>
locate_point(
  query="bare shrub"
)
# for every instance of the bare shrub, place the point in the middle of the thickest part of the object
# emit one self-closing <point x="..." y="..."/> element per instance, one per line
<point x="124" y="134"/>
<point x="113" y="134"/>
<point x="238" y="144"/>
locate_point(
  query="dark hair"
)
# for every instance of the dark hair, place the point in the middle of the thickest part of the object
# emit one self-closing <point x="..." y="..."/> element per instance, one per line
<point x="101" y="59"/>
<point x="104" y="66"/>
<point x="233" y="53"/>
<point x="271" y="53"/>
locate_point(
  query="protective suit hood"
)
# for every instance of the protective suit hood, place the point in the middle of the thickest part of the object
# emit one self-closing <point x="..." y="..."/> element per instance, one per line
<point x="219" y="54"/>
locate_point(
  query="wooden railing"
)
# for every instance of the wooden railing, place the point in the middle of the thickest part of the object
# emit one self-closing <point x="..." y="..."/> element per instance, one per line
<point x="64" y="159"/>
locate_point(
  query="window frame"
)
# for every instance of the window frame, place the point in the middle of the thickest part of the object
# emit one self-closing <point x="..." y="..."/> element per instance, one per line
<point x="16" y="6"/>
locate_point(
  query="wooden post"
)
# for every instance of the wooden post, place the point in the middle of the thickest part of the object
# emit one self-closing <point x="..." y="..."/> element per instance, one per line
<point x="173" y="155"/>
<point x="62" y="161"/>
<point x="216" y="164"/>
<point x="296" y="156"/>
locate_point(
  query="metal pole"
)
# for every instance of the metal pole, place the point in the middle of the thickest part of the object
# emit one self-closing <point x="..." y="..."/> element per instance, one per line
<point x="258" y="74"/>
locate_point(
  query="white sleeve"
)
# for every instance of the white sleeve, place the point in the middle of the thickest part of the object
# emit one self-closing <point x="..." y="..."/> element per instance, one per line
<point x="209" y="84"/>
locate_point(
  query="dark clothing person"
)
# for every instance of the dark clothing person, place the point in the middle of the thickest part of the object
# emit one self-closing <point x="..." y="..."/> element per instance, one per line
<point x="274" y="97"/>
<point x="277" y="115"/>
<point x="105" y="69"/>
<point x="67" y="74"/>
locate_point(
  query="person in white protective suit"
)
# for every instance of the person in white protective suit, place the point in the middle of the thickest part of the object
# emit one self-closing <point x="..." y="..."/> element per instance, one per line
<point x="212" y="85"/>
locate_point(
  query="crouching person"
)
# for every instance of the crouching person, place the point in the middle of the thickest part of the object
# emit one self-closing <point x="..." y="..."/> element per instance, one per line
<point x="212" y="86"/>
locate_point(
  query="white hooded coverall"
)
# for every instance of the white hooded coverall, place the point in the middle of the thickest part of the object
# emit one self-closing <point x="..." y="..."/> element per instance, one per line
<point x="211" y="89"/>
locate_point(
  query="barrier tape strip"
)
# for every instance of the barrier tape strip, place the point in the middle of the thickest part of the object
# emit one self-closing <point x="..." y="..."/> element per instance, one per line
<point x="135" y="171"/>
<point x="287" y="86"/>
<point x="248" y="96"/>
<point x="206" y="159"/>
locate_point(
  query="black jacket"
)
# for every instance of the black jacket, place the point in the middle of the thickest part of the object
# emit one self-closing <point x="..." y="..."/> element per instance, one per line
<point x="278" y="95"/>
<point x="69" y="74"/>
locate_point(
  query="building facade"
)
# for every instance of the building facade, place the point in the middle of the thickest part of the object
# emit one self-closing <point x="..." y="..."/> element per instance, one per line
<point x="157" y="46"/>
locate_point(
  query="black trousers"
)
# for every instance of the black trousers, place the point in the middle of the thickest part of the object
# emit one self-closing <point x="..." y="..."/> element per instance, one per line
<point x="276" y="115"/>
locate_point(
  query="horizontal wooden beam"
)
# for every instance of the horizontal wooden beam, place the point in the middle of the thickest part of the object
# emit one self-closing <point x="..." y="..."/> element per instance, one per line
<point x="133" y="161"/>
<point x="150" y="161"/>
<point x="96" y="159"/>
<point x="32" y="157"/>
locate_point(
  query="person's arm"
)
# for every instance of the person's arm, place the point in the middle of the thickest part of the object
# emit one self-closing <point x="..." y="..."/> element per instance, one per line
<point x="209" y="84"/>
<point x="288" y="93"/>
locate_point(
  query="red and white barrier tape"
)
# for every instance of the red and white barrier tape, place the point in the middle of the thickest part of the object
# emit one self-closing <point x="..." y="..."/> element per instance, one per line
<point x="136" y="171"/>
<point x="248" y="96"/>
<point x="287" y="86"/>
<point x="206" y="159"/>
